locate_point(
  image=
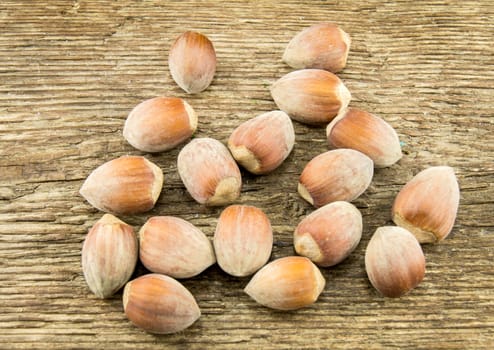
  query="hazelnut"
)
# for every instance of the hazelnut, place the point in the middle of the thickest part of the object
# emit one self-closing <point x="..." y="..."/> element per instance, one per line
<point x="362" y="131"/>
<point x="174" y="247"/>
<point x="337" y="175"/>
<point x="310" y="96"/>
<point x="329" y="234"/>
<point x="109" y="255"/>
<point x="428" y="203"/>
<point x="322" y="45"/>
<point x="160" y="124"/>
<point x="159" y="304"/>
<point x="192" y="62"/>
<point x="209" y="172"/>
<point x="243" y="240"/>
<point x="394" y="261"/>
<point x="261" y="144"/>
<point x="287" y="283"/>
<point x="126" y="185"/>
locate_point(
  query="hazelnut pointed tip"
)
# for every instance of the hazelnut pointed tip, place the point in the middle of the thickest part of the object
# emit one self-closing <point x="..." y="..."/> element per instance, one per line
<point x="193" y="120"/>
<point x="110" y="219"/>
<point x="158" y="182"/>
<point x="344" y="96"/>
<point x="320" y="283"/>
<point x="302" y="190"/>
<point x="125" y="296"/>
<point x="335" y="120"/>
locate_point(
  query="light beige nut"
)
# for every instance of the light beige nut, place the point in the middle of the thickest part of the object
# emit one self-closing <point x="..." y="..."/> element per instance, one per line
<point x="209" y="172"/>
<point x="362" y="131"/>
<point x="126" y="185"/>
<point x="192" y="62"/>
<point x="286" y="284"/>
<point x="160" y="124"/>
<point x="394" y="261"/>
<point x="243" y="240"/>
<point x="262" y="143"/>
<point x="109" y="255"/>
<point x="427" y="205"/>
<point x="159" y="304"/>
<point x="174" y="247"/>
<point x="337" y="175"/>
<point x="322" y="45"/>
<point x="310" y="96"/>
<point x="328" y="235"/>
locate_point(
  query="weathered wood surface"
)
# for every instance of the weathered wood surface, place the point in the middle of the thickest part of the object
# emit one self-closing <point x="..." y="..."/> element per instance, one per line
<point x="70" y="72"/>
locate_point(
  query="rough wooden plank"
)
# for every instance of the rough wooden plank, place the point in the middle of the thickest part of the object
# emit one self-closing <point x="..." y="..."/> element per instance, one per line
<point x="72" y="70"/>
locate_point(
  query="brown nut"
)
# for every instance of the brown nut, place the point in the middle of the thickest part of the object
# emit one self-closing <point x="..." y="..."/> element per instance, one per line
<point x="310" y="96"/>
<point x="192" y="62"/>
<point x="160" y="124"/>
<point x="394" y="261"/>
<point x="159" y="304"/>
<point x="174" y="247"/>
<point x="209" y="172"/>
<point x="322" y="45"/>
<point x="287" y="283"/>
<point x="126" y="185"/>
<point x="243" y="240"/>
<point x="261" y="144"/>
<point x="337" y="175"/>
<point x="328" y="235"/>
<point x="362" y="131"/>
<point x="109" y="255"/>
<point x="427" y="205"/>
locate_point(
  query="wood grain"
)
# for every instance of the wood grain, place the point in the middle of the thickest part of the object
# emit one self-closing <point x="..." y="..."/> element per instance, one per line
<point x="72" y="70"/>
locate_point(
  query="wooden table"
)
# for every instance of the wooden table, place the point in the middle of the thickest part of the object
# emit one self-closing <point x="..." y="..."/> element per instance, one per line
<point x="71" y="71"/>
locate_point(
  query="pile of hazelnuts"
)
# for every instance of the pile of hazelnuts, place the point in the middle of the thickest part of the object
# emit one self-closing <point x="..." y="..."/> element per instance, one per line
<point x="172" y="248"/>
